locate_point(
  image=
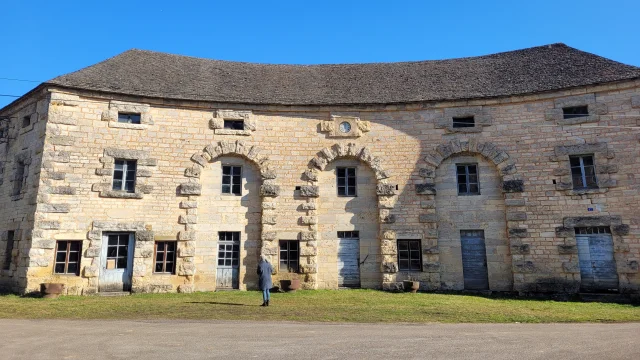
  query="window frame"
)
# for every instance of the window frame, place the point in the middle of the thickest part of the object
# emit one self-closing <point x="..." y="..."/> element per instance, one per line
<point x="467" y="182"/>
<point x="231" y="183"/>
<point x="459" y="122"/>
<point x="124" y="179"/>
<point x="409" y="252"/>
<point x="19" y="178"/>
<point x="571" y="115"/>
<point x="164" y="261"/>
<point x="288" y="250"/>
<point x="8" y="250"/>
<point x="66" y="262"/>
<point x="231" y="124"/>
<point x="346" y="177"/>
<point x="349" y="234"/>
<point x="583" y="174"/>
<point x="129" y="114"/>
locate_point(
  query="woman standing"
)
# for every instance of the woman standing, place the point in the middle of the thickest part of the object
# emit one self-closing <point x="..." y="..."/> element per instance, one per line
<point x="264" y="271"/>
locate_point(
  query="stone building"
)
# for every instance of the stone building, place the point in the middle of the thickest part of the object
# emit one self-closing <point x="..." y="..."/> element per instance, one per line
<point x="151" y="172"/>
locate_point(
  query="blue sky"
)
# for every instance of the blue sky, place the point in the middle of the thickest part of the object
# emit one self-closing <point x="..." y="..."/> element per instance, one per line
<point x="43" y="39"/>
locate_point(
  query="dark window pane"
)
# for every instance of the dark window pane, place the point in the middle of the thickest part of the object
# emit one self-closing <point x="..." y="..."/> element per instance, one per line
<point x="351" y="182"/>
<point x="62" y="245"/>
<point x="129" y="186"/>
<point x="462" y="179"/>
<point x="226" y="189"/>
<point x="414" y="245"/>
<point x="227" y="262"/>
<point x="75" y="245"/>
<point x="587" y="160"/>
<point x="472" y="169"/>
<point x="61" y="256"/>
<point x="403" y="264"/>
<point x="341" y="172"/>
<point x="129" y="118"/>
<point x="403" y="245"/>
<point x="460" y="169"/>
<point x="74" y="256"/>
<point x="236" y="189"/>
<point x="226" y="170"/>
<point x="351" y="172"/>
<point x="576" y="171"/>
<point x="342" y="190"/>
<point x="72" y="268"/>
<point x="459" y="122"/>
<point x="119" y="165"/>
<point x="112" y="251"/>
<point x="158" y="267"/>
<point x="117" y="184"/>
<point x="237" y="170"/>
<point x="342" y="181"/>
<point x="473" y="188"/>
<point x="59" y="268"/>
<point x="574" y="160"/>
<point x="575" y="111"/>
<point x="122" y="263"/>
<point x="226" y="180"/>
<point x="462" y="189"/>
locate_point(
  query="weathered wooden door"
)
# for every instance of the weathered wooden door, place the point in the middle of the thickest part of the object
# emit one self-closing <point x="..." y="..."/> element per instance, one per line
<point x="474" y="260"/>
<point x="116" y="262"/>
<point x="228" y="271"/>
<point x="595" y="255"/>
<point x="348" y="259"/>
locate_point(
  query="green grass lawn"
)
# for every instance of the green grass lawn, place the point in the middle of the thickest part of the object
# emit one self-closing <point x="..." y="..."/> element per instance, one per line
<point x="316" y="306"/>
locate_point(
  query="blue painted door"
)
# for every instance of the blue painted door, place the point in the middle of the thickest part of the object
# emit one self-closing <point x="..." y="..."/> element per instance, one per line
<point x="474" y="260"/>
<point x="597" y="264"/>
<point x="116" y="262"/>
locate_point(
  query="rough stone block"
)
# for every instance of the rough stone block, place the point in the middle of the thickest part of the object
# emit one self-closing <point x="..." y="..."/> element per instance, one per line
<point x="53" y="208"/>
<point x="389" y="267"/>
<point x="513" y="186"/>
<point x="426" y="189"/>
<point x="92" y="252"/>
<point x="186" y="248"/>
<point x="308" y="236"/>
<point x="268" y="190"/>
<point x="571" y="267"/>
<point x="188" y="204"/>
<point x="186" y="289"/>
<point x="308" y="269"/>
<point x="189" y="189"/>
<point x="187" y="269"/>
<point x="564" y="249"/>
<point x="431" y="266"/>
<point x="516" y="216"/>
<point x="309" y="191"/>
<point x="144" y="236"/>
<point x="428" y="218"/>
<point x="385" y="190"/>
<point x="620" y="230"/>
<point x="524" y="267"/>
<point x="520" y="249"/>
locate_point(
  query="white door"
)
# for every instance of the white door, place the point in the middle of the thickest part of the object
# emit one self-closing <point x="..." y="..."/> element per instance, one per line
<point x="348" y="259"/>
<point x="116" y="262"/>
<point x="598" y="270"/>
<point x="228" y="271"/>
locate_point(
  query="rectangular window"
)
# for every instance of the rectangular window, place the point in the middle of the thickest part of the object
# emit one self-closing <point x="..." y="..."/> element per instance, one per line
<point x="409" y="255"/>
<point x="19" y="178"/>
<point x="26" y="121"/>
<point x="124" y="175"/>
<point x="462" y="122"/>
<point x="165" y="257"/>
<point x="229" y="248"/>
<point x="232" y="180"/>
<point x="346" y="181"/>
<point x="583" y="172"/>
<point x="593" y="230"/>
<point x="8" y="250"/>
<point x="68" y="257"/>
<point x="234" y="124"/>
<point x="468" y="183"/>
<point x="289" y="258"/>
<point x="348" y="234"/>
<point x="575" y="111"/>
<point x="129" y="118"/>
<point x="118" y="250"/>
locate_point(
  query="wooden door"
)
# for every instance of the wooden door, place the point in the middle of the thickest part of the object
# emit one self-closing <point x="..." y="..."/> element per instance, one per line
<point x="595" y="256"/>
<point x="116" y="262"/>
<point x="348" y="260"/>
<point x="228" y="270"/>
<point x="474" y="260"/>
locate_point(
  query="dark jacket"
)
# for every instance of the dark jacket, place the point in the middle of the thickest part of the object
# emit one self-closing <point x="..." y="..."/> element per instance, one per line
<point x="264" y="271"/>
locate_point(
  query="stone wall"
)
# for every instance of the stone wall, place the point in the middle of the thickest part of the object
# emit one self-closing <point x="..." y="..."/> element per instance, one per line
<point x="520" y="138"/>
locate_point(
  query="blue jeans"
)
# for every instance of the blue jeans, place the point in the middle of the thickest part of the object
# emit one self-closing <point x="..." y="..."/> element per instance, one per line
<point x="265" y="295"/>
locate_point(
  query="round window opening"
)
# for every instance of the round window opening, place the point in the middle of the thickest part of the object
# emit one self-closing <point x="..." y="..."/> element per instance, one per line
<point x="345" y="127"/>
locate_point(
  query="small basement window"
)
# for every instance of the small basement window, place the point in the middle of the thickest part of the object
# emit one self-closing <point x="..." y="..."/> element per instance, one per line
<point x="26" y="121"/>
<point x="68" y="257"/>
<point x="575" y="111"/>
<point x="463" y="122"/>
<point x="234" y="124"/>
<point x="129" y="118"/>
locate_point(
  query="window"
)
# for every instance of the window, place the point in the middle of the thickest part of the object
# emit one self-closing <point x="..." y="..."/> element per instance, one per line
<point x="26" y="121"/>
<point x="165" y="257"/>
<point x="228" y="248"/>
<point x="68" y="257"/>
<point x="468" y="179"/>
<point x="117" y="251"/>
<point x="124" y="175"/>
<point x="232" y="180"/>
<point x="409" y="255"/>
<point x="129" y="118"/>
<point x="289" y="258"/>
<point x="8" y="250"/>
<point x="462" y="122"/>
<point x="583" y="172"/>
<point x="593" y="230"/>
<point x="234" y="124"/>
<point x="19" y="178"/>
<point x="348" y="235"/>
<point x="346" y="181"/>
<point x="575" y="111"/>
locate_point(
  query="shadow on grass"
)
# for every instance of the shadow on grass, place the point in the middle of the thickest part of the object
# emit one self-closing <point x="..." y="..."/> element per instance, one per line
<point x="218" y="303"/>
<point x="612" y="298"/>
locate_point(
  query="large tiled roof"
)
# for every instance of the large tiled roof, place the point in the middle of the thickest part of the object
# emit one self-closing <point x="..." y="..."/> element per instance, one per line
<point x="532" y="70"/>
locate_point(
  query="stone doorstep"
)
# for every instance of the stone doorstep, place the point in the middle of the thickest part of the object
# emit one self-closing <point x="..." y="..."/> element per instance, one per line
<point x="114" y="293"/>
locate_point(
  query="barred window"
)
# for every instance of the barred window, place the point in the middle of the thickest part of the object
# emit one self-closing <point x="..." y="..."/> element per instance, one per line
<point x="575" y="111"/>
<point x="583" y="172"/>
<point x="234" y="124"/>
<point x="348" y="234"/>
<point x="124" y="175"/>
<point x="232" y="180"/>
<point x="129" y="118"/>
<point x="68" y="257"/>
<point x="462" y="122"/>
<point x="593" y="230"/>
<point x="346" y="181"/>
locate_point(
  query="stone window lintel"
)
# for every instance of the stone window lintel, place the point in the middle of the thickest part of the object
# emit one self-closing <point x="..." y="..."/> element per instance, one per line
<point x="111" y="115"/>
<point x="106" y="172"/>
<point x="595" y="109"/>
<point x="480" y="116"/>
<point x="332" y="126"/>
<point x="217" y="122"/>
